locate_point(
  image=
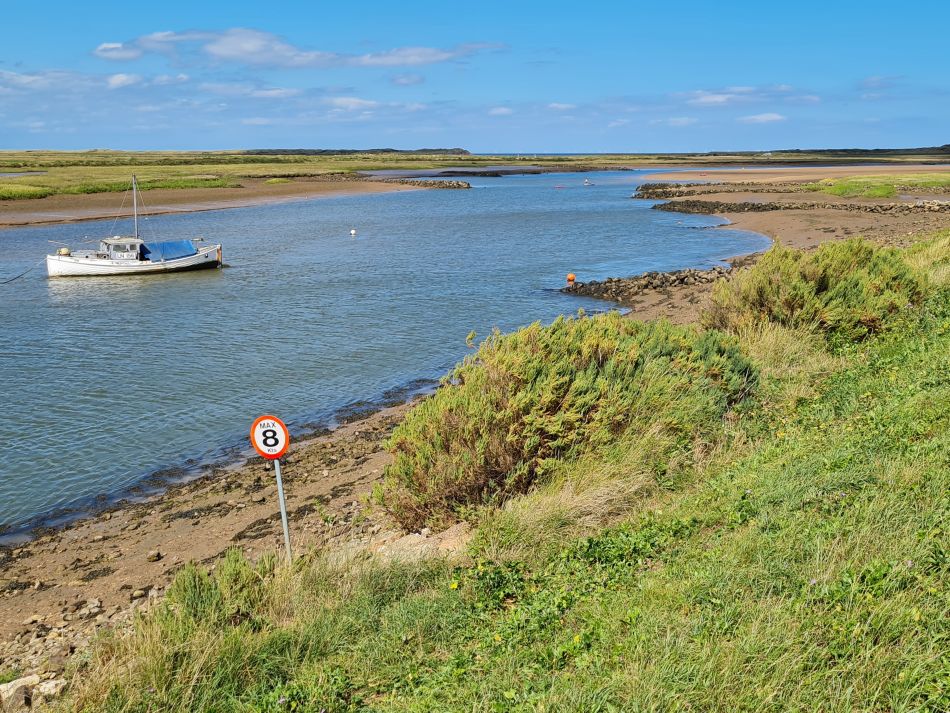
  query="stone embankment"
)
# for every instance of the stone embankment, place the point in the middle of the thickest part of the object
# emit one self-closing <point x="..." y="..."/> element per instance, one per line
<point x="664" y="191"/>
<point x="427" y="183"/>
<point x="719" y="207"/>
<point x="624" y="289"/>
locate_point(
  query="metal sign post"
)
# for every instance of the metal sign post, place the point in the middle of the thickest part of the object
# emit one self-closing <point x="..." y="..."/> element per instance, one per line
<point x="270" y="438"/>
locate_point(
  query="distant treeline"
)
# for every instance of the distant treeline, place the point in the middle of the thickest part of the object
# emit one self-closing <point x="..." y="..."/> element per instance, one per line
<point x="923" y="151"/>
<point x="929" y="150"/>
<point x="345" y="152"/>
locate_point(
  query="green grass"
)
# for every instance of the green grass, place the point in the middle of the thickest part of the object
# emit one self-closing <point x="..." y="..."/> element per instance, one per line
<point x="8" y="675"/>
<point x="886" y="186"/>
<point x="798" y="561"/>
<point x="274" y="181"/>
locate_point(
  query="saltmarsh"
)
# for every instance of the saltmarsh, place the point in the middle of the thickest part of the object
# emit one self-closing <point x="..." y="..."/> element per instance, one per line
<point x="798" y="560"/>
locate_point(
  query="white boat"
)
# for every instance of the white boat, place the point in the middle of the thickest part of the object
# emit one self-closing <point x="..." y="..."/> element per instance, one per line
<point x="588" y="182"/>
<point x="130" y="255"/>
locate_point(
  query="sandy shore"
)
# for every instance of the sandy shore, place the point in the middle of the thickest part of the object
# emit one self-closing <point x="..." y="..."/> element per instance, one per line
<point x="253" y="191"/>
<point x="57" y="590"/>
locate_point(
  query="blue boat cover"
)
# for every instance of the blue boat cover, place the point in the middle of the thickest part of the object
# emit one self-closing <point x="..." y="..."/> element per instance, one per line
<point x="168" y="250"/>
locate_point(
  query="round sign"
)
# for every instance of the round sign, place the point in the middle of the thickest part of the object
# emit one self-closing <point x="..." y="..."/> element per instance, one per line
<point x="270" y="437"/>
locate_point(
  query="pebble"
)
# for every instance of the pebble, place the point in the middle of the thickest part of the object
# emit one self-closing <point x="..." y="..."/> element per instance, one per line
<point x="153" y="556"/>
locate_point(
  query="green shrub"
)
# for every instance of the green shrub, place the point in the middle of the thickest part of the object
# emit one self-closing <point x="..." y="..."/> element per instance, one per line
<point x="846" y="290"/>
<point x="16" y="191"/>
<point x="527" y="400"/>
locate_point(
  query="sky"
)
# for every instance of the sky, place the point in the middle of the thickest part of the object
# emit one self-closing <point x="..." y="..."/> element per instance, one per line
<point x="486" y="75"/>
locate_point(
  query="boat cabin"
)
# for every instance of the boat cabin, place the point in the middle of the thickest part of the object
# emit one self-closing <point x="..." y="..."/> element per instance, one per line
<point x="119" y="248"/>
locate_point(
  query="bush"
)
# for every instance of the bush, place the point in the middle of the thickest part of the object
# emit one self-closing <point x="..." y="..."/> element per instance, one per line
<point x="524" y="401"/>
<point x="19" y="191"/>
<point x="846" y="290"/>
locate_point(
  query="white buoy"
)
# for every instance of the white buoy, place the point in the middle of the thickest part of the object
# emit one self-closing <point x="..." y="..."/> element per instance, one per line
<point x="353" y="231"/>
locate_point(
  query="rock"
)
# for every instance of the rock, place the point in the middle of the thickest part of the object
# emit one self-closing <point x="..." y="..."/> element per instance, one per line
<point x="153" y="556"/>
<point x="47" y="691"/>
<point x="17" y="695"/>
<point x="33" y="620"/>
<point x="258" y="498"/>
<point x="138" y="594"/>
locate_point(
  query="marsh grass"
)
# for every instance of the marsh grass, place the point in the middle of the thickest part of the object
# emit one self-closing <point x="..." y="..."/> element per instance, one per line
<point x="20" y="191"/>
<point x="798" y="559"/>
<point x="886" y="186"/>
<point x="277" y="180"/>
<point x="845" y="290"/>
<point x="527" y="401"/>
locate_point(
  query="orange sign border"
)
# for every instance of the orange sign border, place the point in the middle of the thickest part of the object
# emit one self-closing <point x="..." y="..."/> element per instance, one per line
<point x="262" y="454"/>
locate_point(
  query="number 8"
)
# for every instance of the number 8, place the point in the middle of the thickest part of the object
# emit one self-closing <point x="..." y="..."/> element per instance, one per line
<point x="270" y="438"/>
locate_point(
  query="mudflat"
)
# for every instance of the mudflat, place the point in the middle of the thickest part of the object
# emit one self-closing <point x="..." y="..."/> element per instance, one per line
<point x="68" y="208"/>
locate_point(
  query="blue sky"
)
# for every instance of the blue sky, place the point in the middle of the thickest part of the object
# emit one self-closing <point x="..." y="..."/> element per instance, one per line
<point x="487" y="75"/>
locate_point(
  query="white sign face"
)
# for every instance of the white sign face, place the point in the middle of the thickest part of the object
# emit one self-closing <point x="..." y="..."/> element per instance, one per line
<point x="270" y="437"/>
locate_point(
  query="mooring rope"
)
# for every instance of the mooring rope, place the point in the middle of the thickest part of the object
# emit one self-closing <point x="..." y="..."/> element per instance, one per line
<point x="23" y="273"/>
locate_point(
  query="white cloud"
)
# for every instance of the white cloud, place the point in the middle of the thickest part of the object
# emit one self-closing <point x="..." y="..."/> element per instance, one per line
<point x="117" y="51"/>
<point x="117" y="81"/>
<point x="558" y="106"/>
<point x="676" y="121"/>
<point x="704" y="98"/>
<point x="618" y="122"/>
<point x="351" y="103"/>
<point x="233" y="89"/>
<point x="258" y="121"/>
<point x="879" y="81"/>
<point x="274" y="93"/>
<point x="164" y="79"/>
<point x="766" y="118"/>
<point x="407" y="80"/>
<point x="256" y="47"/>
<point x="500" y="111"/>
<point x="405" y="57"/>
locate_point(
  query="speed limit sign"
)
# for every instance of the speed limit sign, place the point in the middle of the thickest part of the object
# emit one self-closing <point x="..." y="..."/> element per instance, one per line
<point x="270" y="437"/>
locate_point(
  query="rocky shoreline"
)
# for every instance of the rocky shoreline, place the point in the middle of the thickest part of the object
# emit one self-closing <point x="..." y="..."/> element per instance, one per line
<point x="623" y="290"/>
<point x="706" y="207"/>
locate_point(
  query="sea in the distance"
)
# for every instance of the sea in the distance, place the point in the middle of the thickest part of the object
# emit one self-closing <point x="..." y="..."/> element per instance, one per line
<point x="105" y="381"/>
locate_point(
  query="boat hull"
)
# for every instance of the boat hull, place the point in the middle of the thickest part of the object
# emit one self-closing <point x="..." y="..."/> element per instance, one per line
<point x="70" y="266"/>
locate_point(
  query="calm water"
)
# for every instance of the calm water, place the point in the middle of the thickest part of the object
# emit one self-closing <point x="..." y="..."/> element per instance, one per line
<point x="107" y="380"/>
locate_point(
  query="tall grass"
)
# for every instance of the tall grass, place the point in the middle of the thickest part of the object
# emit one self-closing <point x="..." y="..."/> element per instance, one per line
<point x="846" y="290"/>
<point x="528" y="400"/>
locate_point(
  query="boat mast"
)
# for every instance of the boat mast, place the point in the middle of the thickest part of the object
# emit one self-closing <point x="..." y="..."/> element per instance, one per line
<point x="135" y="207"/>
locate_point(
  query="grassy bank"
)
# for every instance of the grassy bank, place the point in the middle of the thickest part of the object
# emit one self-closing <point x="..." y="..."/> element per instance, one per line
<point x="882" y="186"/>
<point x="81" y="171"/>
<point x="769" y="532"/>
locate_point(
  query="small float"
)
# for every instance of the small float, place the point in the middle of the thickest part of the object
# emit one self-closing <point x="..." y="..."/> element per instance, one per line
<point x="588" y="182"/>
<point x="130" y="255"/>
